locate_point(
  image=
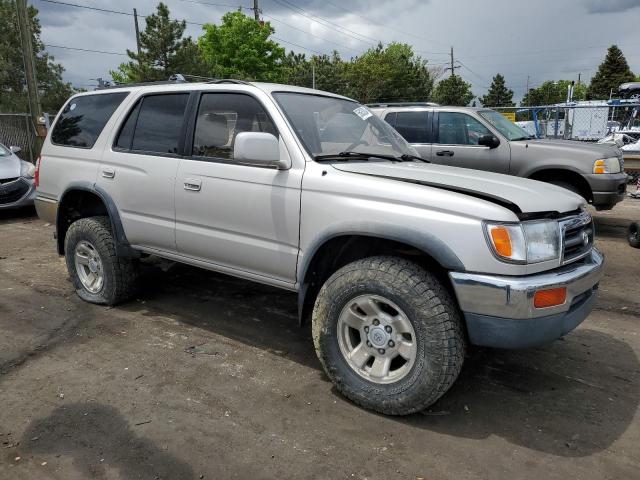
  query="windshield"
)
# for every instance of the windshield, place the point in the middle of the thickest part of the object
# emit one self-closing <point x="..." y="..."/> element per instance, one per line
<point x="506" y="127"/>
<point x="329" y="125"/>
<point x="4" y="151"/>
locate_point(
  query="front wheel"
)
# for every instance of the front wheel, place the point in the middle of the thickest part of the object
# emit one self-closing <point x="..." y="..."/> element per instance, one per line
<point x="98" y="274"/>
<point x="633" y="234"/>
<point x="388" y="334"/>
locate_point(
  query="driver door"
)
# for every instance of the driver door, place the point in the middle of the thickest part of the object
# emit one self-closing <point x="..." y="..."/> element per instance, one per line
<point x="456" y="144"/>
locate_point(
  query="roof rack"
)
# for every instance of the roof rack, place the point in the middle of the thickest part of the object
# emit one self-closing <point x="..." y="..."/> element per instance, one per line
<point x="173" y="79"/>
<point x="229" y="80"/>
<point x="403" y="104"/>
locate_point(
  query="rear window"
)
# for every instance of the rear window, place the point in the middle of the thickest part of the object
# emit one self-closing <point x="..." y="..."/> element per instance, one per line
<point x="82" y="119"/>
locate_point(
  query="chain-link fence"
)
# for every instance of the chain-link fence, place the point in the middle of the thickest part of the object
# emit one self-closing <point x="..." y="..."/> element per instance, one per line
<point x="587" y="121"/>
<point x="17" y="129"/>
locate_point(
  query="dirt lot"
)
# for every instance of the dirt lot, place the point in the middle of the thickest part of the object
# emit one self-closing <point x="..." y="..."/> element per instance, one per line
<point x="206" y="376"/>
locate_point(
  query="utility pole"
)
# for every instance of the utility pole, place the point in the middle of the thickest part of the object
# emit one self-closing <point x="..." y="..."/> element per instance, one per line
<point x="452" y="67"/>
<point x="256" y="10"/>
<point x="135" y="21"/>
<point x="579" y="75"/>
<point x="28" y="58"/>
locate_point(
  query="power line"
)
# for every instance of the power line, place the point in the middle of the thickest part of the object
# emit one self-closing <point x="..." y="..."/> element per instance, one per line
<point x="83" y="49"/>
<point x="326" y="23"/>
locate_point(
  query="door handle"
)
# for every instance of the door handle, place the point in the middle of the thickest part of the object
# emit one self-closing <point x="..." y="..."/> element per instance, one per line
<point x="192" y="184"/>
<point x="445" y="153"/>
<point x="108" y="172"/>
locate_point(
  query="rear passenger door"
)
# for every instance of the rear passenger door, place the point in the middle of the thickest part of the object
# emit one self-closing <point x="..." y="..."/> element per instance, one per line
<point x="239" y="218"/>
<point x="456" y="144"/>
<point x="140" y="168"/>
<point x="415" y="127"/>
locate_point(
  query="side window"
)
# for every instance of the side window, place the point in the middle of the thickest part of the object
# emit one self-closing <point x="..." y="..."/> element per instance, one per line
<point x="390" y="118"/>
<point x="159" y="123"/>
<point x="413" y="126"/>
<point x="221" y="116"/>
<point x="82" y="119"/>
<point x="459" y="129"/>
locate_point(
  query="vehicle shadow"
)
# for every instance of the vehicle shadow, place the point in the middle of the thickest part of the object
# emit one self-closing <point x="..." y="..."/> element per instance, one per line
<point x="17" y="214"/>
<point x="572" y="398"/>
<point x="98" y="437"/>
<point x="612" y="227"/>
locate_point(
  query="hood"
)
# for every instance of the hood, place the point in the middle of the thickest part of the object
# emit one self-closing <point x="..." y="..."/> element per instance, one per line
<point x="9" y="166"/>
<point x="568" y="149"/>
<point x="517" y="194"/>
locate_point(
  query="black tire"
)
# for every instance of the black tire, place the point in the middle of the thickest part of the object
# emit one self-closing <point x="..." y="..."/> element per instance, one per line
<point x="435" y="319"/>
<point x="120" y="274"/>
<point x="569" y="186"/>
<point x="633" y="234"/>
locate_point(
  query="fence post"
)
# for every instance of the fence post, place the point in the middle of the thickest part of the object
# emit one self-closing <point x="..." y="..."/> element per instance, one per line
<point x="556" y="126"/>
<point x="27" y="125"/>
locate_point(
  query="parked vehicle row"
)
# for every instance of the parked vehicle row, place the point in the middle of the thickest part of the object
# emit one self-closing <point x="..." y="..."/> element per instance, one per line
<point x="399" y="263"/>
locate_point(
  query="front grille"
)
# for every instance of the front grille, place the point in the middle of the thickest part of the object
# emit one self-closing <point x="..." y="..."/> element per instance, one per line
<point x="577" y="237"/>
<point x="12" y="192"/>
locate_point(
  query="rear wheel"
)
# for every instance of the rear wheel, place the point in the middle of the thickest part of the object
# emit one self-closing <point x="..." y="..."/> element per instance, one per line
<point x="633" y="234"/>
<point x="98" y="274"/>
<point x="388" y="334"/>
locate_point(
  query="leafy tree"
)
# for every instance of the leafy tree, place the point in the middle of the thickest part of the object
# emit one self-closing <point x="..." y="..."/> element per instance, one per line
<point x="498" y="95"/>
<point x="552" y="92"/>
<point x="163" y="52"/>
<point x="453" y="91"/>
<point x="13" y="98"/>
<point x="240" y="48"/>
<point x="613" y="71"/>
<point x="391" y="73"/>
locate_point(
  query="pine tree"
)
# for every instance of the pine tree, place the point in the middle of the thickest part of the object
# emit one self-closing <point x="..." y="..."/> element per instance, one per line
<point x="163" y="53"/>
<point x="613" y="71"/>
<point x="498" y="95"/>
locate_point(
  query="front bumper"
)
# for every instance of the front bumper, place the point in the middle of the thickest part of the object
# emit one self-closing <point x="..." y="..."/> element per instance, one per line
<point x="16" y="194"/>
<point x="499" y="310"/>
<point x="607" y="189"/>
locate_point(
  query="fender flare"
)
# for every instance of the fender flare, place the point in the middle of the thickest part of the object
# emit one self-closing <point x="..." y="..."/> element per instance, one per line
<point x="423" y="241"/>
<point x="123" y="247"/>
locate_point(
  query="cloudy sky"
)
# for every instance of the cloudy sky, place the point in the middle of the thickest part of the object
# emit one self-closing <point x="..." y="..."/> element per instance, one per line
<point x="539" y="39"/>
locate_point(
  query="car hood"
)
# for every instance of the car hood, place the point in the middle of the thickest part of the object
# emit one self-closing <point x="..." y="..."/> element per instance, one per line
<point x="567" y="149"/>
<point x="518" y="194"/>
<point x="9" y="167"/>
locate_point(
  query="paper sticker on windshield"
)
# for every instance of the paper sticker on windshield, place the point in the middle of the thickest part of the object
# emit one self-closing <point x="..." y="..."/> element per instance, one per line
<point x="362" y="112"/>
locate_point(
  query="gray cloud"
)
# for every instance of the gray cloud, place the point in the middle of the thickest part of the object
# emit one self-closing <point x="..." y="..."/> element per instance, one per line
<point x="611" y="6"/>
<point x="488" y="37"/>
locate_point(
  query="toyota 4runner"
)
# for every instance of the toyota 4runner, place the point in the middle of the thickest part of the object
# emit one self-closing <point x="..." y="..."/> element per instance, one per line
<point x="399" y="263"/>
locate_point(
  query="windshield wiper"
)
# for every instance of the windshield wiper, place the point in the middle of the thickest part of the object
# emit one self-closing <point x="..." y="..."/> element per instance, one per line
<point x="412" y="158"/>
<point x="365" y="156"/>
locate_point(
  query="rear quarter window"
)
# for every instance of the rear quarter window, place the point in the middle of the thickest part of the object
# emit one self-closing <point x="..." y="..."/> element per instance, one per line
<point x="83" y="118"/>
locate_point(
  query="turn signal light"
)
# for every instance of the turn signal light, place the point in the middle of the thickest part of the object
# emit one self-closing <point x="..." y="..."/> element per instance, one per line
<point x="37" y="174"/>
<point x="599" y="166"/>
<point x="502" y="241"/>
<point x="550" y="298"/>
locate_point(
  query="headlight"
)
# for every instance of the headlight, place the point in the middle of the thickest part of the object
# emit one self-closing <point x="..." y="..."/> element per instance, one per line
<point x="27" y="170"/>
<point x="607" y="165"/>
<point x="526" y="242"/>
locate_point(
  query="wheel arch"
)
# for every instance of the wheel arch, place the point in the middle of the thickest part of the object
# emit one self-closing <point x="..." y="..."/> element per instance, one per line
<point x="335" y="249"/>
<point x="85" y="199"/>
<point x="566" y="175"/>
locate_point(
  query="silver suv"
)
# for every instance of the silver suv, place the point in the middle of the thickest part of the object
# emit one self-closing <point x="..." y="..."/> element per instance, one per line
<point x="399" y="263"/>
<point x="483" y="139"/>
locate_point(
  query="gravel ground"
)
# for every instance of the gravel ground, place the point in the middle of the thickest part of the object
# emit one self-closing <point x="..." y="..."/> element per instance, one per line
<point x="206" y="376"/>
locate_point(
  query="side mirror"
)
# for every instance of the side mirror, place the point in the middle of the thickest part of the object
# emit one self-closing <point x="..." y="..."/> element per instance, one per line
<point x="15" y="149"/>
<point x="259" y="148"/>
<point x="490" y="141"/>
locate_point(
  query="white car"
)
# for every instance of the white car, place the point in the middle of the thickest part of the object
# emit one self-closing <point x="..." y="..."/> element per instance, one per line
<point x="17" y="186"/>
